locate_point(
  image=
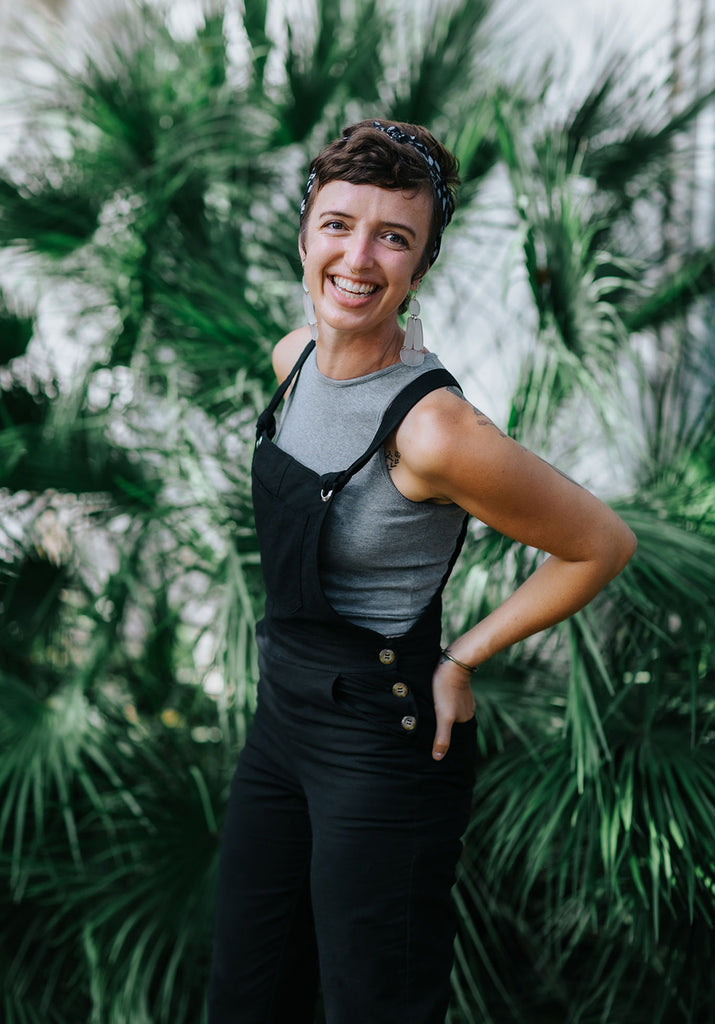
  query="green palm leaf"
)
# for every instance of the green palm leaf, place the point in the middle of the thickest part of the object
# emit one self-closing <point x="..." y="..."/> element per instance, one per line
<point x="336" y="57"/>
<point x="15" y="333"/>
<point x="675" y="293"/>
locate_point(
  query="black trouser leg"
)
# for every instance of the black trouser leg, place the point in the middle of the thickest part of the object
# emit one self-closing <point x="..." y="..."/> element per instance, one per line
<point x="264" y="968"/>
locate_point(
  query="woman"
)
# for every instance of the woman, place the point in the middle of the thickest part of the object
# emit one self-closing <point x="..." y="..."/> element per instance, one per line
<point x="344" y="824"/>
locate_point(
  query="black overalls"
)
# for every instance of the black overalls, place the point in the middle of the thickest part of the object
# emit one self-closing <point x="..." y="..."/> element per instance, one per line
<point x="340" y="824"/>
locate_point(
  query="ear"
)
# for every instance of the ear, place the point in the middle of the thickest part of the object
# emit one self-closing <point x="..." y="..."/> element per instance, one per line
<point x="302" y="251"/>
<point x="419" y="277"/>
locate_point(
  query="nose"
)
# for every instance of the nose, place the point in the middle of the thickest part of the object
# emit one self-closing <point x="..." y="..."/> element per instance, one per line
<point x="358" y="251"/>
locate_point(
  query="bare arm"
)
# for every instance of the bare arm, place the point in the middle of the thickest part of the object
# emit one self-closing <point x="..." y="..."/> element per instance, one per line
<point x="451" y="452"/>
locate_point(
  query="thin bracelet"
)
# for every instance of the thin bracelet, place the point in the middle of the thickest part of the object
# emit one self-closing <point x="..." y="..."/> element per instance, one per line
<point x="467" y="668"/>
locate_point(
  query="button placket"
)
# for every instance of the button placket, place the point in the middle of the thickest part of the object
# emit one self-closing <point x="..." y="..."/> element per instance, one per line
<point x="399" y="689"/>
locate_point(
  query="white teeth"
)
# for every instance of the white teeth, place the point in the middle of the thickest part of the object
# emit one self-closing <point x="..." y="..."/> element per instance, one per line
<point x="354" y="287"/>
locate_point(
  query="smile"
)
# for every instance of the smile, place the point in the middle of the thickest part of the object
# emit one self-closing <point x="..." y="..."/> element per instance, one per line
<point x="344" y="284"/>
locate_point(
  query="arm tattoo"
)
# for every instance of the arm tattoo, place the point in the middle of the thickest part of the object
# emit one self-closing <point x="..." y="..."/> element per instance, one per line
<point x="392" y="457"/>
<point x="482" y="420"/>
<point x="456" y="392"/>
<point x="555" y="468"/>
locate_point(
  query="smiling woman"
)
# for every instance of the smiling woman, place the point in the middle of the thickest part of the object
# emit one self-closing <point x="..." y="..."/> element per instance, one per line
<point x="361" y="250"/>
<point x="352" y="792"/>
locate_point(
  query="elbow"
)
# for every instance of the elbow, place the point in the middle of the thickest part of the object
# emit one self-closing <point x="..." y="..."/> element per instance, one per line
<point x="614" y="547"/>
<point x="625" y="548"/>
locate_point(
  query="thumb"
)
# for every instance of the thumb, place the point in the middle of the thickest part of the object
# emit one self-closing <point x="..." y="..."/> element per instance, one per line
<point x="442" y="737"/>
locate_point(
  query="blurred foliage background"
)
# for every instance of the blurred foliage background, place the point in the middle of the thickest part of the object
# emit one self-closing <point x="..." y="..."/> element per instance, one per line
<point x="150" y="204"/>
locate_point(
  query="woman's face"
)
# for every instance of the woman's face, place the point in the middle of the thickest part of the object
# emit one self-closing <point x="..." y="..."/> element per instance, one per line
<point x="361" y="248"/>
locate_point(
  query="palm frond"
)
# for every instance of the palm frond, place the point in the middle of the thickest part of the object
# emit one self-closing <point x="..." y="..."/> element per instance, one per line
<point x="441" y="58"/>
<point x="336" y="56"/>
<point x="616" y="164"/>
<point x="16" y="332"/>
<point x="76" y="459"/>
<point x="25" y="621"/>
<point x="675" y="293"/>
<point x="51" y="220"/>
<point x="674" y="562"/>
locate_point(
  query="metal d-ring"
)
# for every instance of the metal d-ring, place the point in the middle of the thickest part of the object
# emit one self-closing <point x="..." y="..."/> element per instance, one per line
<point x="324" y="496"/>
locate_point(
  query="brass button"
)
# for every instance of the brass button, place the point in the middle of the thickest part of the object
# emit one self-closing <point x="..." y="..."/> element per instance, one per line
<point x="408" y="723"/>
<point x="400" y="690"/>
<point x="386" y="656"/>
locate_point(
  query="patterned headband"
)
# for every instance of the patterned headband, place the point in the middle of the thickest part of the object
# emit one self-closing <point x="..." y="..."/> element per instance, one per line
<point x="435" y="172"/>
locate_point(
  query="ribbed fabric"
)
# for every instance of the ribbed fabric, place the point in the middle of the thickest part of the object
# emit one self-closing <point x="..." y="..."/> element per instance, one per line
<point x="383" y="556"/>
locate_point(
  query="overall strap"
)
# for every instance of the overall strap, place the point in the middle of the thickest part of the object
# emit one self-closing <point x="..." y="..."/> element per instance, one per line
<point x="267" y="419"/>
<point x="396" y="411"/>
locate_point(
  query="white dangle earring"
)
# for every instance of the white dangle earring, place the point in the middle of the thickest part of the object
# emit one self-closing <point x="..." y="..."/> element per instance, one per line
<point x="309" y="310"/>
<point x="412" y="352"/>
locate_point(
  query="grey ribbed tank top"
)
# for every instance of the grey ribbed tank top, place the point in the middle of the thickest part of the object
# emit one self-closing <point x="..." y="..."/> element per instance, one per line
<point x="382" y="555"/>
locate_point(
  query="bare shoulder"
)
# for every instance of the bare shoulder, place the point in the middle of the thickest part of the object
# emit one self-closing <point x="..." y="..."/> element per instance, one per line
<point x="441" y="421"/>
<point x="447" y="450"/>
<point x="287" y="350"/>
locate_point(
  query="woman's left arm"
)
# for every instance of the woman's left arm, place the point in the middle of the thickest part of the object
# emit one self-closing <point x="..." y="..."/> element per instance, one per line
<point x="449" y="451"/>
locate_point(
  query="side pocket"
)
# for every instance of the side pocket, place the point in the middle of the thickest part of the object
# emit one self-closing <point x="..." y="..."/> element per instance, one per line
<point x="464" y="735"/>
<point x="469" y="726"/>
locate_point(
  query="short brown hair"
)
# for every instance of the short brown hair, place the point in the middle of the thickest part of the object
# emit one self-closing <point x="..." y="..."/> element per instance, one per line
<point x="366" y="155"/>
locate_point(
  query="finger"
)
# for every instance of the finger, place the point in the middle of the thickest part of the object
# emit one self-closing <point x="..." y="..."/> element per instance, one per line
<point x="442" y="737"/>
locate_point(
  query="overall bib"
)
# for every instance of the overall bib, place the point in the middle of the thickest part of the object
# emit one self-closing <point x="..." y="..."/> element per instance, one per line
<point x="342" y="833"/>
